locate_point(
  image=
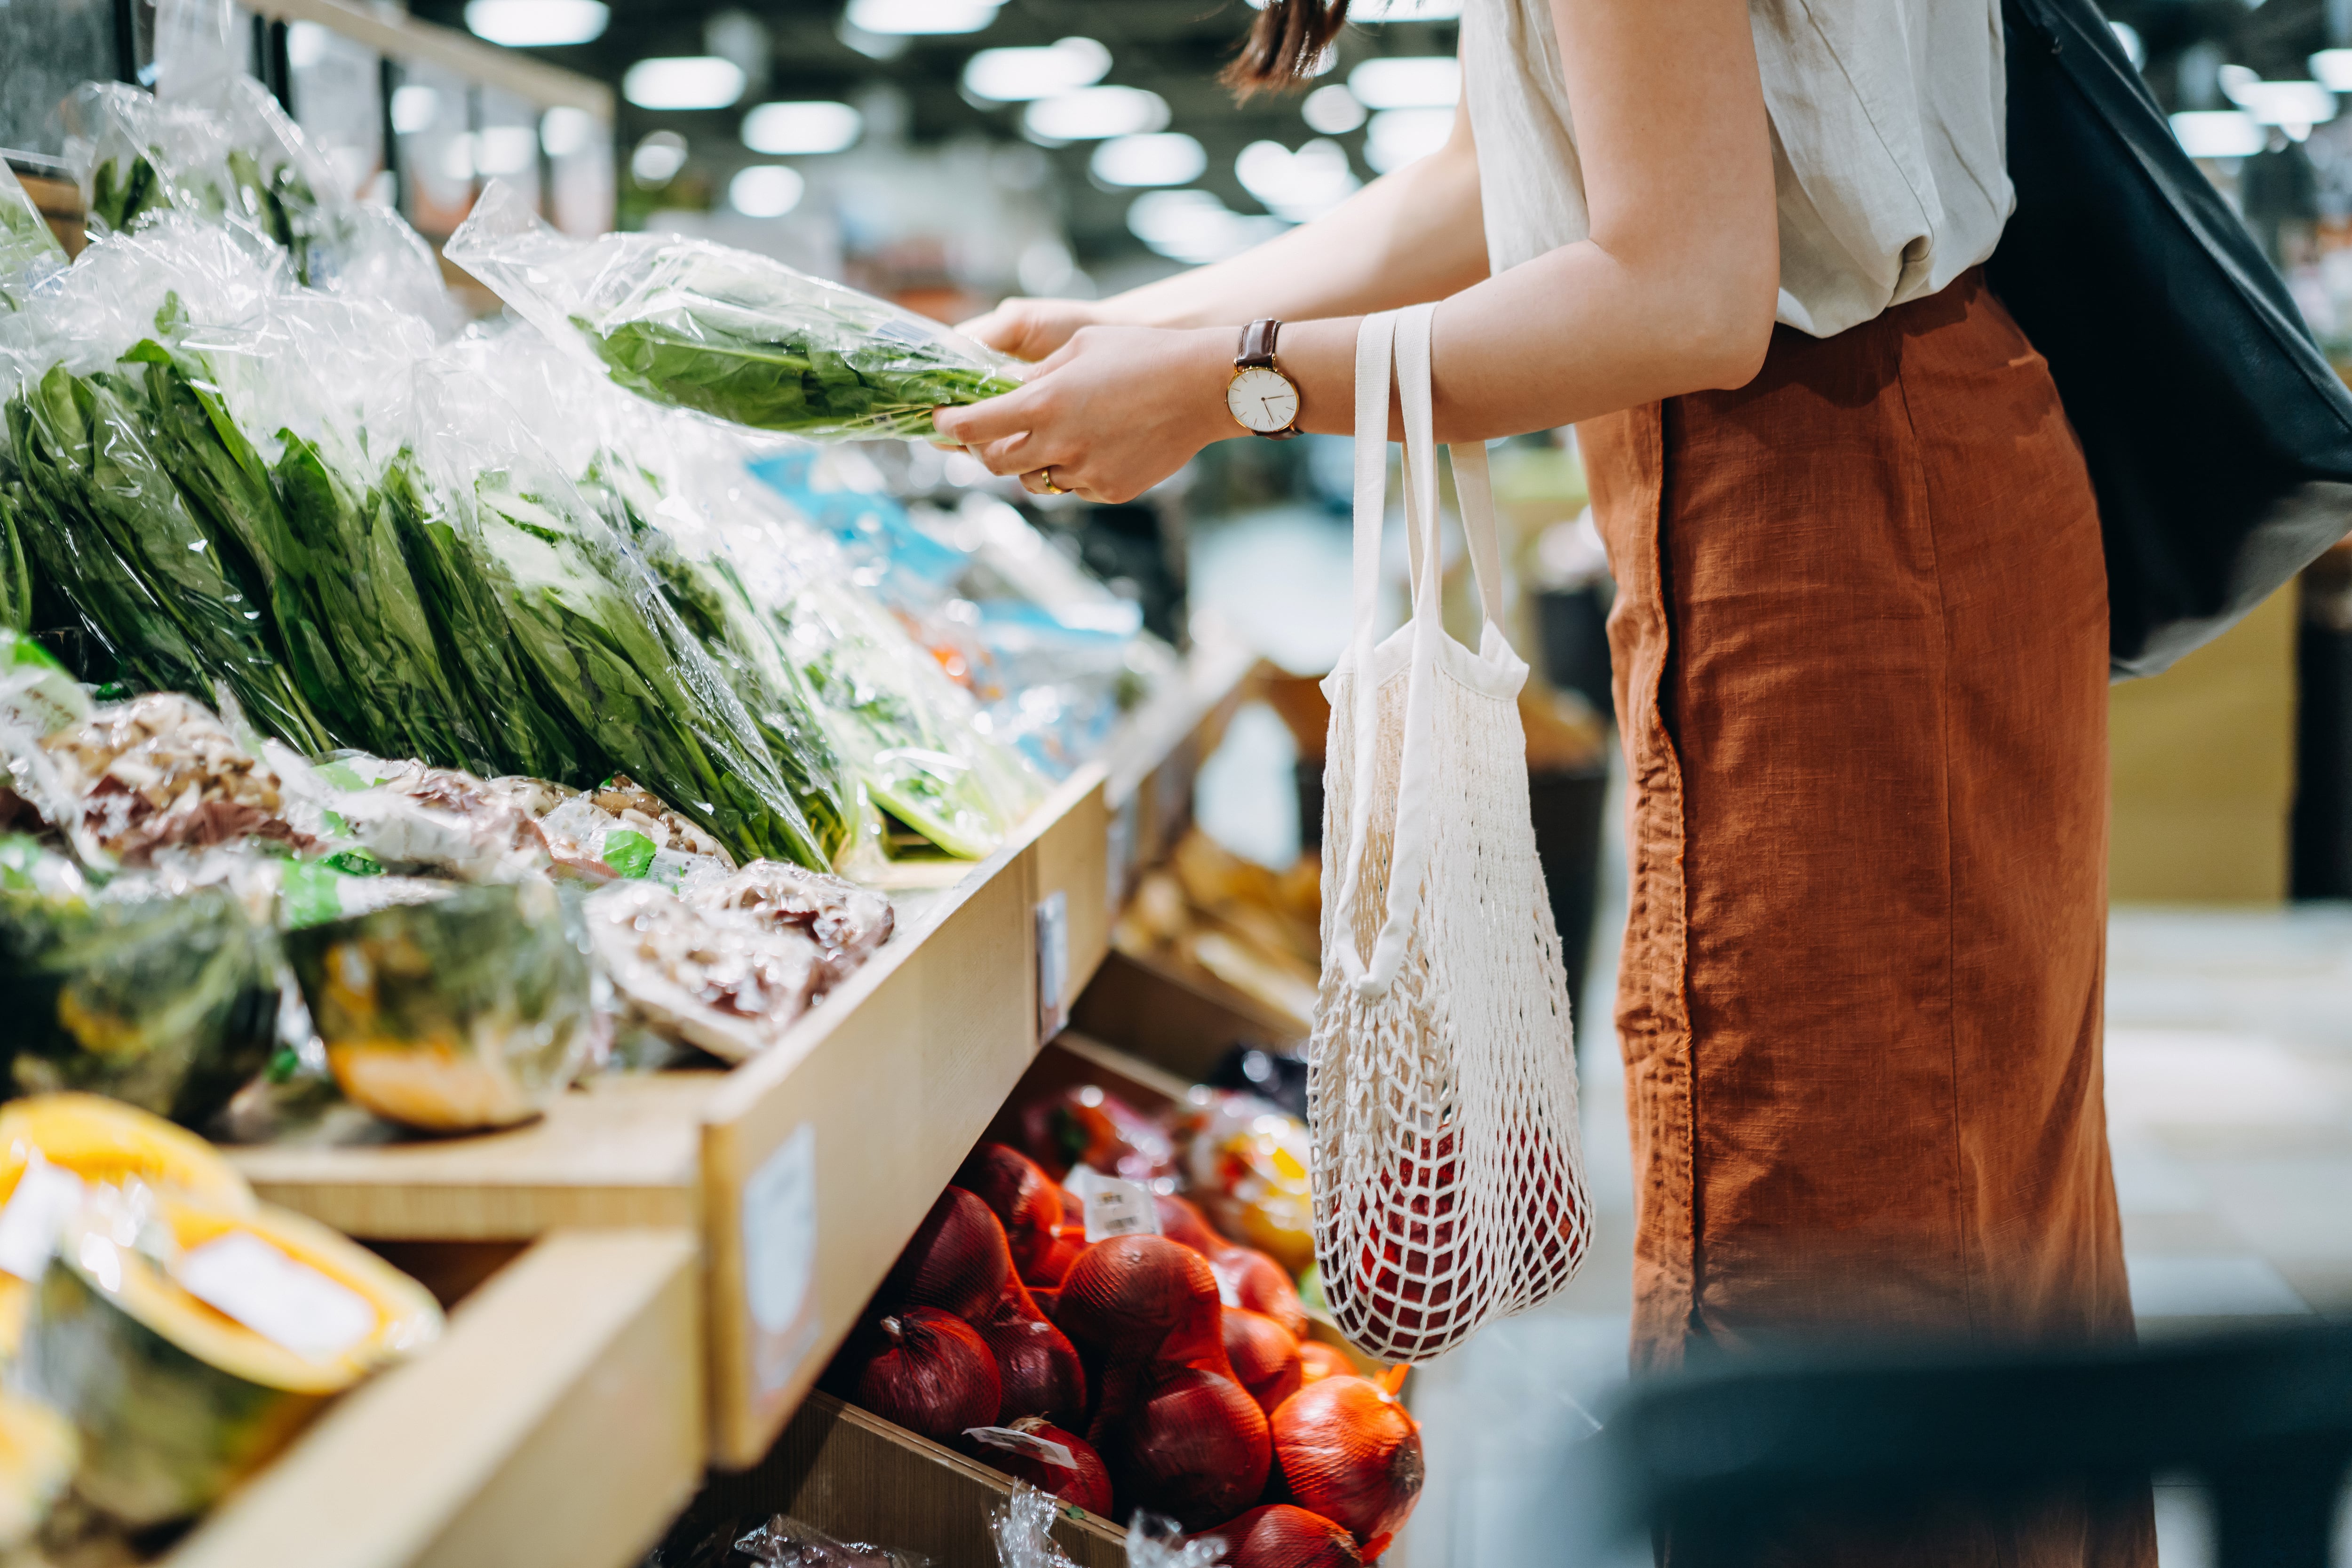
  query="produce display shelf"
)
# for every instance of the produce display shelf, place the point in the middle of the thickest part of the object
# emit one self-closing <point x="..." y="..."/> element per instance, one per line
<point x="805" y="1170"/>
<point x="559" y="1423"/>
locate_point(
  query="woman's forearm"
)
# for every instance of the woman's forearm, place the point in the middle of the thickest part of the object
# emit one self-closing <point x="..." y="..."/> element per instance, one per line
<point x="1415" y="233"/>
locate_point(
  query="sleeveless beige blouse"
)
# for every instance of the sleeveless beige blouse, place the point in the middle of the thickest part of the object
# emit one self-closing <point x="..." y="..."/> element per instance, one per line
<point x="1888" y="145"/>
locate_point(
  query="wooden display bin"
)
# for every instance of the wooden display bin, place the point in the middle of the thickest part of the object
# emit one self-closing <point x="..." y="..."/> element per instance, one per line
<point x="805" y="1170"/>
<point x="858" y="1477"/>
<point x="559" y="1423"/>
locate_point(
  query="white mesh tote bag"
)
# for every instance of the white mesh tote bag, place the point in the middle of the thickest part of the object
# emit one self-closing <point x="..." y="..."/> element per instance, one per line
<point x="1448" y="1180"/>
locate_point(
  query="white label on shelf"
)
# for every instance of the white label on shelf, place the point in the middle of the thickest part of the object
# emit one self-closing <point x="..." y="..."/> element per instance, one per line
<point x="1114" y="1207"/>
<point x="1052" y="962"/>
<point x="780" y="1254"/>
<point x="1119" y="848"/>
<point x="276" y="1298"/>
<point x="45" y="1196"/>
<point x="1021" y="1442"/>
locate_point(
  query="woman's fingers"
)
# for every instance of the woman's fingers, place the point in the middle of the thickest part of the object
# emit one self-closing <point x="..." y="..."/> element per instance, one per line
<point x="977" y="424"/>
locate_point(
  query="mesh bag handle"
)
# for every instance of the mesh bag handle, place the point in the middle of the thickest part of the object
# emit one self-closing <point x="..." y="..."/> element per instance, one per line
<point x="1405" y="334"/>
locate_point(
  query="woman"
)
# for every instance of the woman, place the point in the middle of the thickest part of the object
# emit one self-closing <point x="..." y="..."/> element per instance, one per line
<point x="1861" y="636"/>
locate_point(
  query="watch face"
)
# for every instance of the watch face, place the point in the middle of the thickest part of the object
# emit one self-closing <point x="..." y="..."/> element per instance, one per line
<point x="1263" y="400"/>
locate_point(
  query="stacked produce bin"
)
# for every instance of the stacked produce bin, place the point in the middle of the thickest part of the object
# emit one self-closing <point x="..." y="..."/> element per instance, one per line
<point x="494" y="805"/>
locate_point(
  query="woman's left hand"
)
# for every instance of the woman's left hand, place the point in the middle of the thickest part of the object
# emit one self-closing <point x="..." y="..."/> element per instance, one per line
<point x="1111" y="414"/>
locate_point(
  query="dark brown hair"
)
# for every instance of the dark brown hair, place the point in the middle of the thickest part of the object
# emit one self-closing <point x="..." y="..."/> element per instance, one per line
<point x="1288" y="39"/>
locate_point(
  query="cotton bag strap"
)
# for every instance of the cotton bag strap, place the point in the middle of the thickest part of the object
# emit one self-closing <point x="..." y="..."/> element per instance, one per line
<point x="1405" y="334"/>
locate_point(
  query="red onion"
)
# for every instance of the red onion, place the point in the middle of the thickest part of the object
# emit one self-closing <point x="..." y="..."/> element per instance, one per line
<point x="1318" y="1361"/>
<point x="1265" y="1357"/>
<point x="1036" y="1362"/>
<point x="930" y="1373"/>
<point x="1245" y="1276"/>
<point x="1281" y="1536"/>
<point x="956" y="1261"/>
<point x="1349" y="1452"/>
<point x="1028" y="1203"/>
<point x="1085" y="1484"/>
<point x="1192" y="1448"/>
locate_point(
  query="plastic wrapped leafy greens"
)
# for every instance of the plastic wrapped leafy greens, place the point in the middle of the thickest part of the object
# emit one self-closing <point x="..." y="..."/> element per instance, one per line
<point x="30" y="252"/>
<point x="217" y="147"/>
<point x="724" y="332"/>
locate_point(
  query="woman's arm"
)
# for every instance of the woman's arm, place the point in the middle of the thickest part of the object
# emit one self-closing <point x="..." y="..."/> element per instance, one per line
<point x="1675" y="291"/>
<point x="1412" y="235"/>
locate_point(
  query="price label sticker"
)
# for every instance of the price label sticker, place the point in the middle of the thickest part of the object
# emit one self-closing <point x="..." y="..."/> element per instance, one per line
<point x="45" y="1196"/>
<point x="294" y="1304"/>
<point x="1114" y="1207"/>
<point x="780" y="1257"/>
<point x="1021" y="1442"/>
<point x="1052" y="963"/>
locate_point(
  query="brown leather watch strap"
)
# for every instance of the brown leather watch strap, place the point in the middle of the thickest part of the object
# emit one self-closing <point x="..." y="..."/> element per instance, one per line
<point x="1257" y="343"/>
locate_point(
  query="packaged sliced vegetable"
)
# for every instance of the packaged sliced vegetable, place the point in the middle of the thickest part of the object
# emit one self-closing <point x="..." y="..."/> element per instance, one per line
<point x="471" y="1011"/>
<point x="721" y="980"/>
<point x="725" y="332"/>
<point x="170" y="1000"/>
<point x="848" y="923"/>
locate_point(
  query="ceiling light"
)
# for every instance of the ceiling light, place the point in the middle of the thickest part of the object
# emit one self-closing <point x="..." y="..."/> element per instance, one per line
<point x="1161" y="158"/>
<point x="1408" y="82"/>
<point x="536" y="23"/>
<point x="888" y="16"/>
<point x="415" y="107"/>
<point x="683" y="81"/>
<point x="1093" y="113"/>
<point x="306" y="44"/>
<point x="2218" y="134"/>
<point x="1297" y="185"/>
<point x="2129" y="37"/>
<point x="1332" y="110"/>
<point x="506" y="149"/>
<point x="564" y="131"/>
<point x="1405" y="10"/>
<point x="2334" y="69"/>
<point x="765" y="190"/>
<point x="658" y="159"/>
<point x="1194" y="226"/>
<point x="1398" y="136"/>
<point x="816" y="126"/>
<point x="1017" y="76"/>
<point x="2296" y="106"/>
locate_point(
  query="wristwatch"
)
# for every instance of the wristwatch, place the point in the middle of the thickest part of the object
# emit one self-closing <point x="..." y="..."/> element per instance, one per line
<point x="1260" y="395"/>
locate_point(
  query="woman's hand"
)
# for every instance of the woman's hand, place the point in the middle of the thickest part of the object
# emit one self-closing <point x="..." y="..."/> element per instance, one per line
<point x="1111" y="414"/>
<point x="1031" y="329"/>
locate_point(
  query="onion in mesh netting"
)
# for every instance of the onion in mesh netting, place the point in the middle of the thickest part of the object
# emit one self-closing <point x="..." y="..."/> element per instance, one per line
<point x="1318" y="1361"/>
<point x="929" y="1372"/>
<point x="956" y="1261"/>
<point x="1084" y="1484"/>
<point x="1028" y="1204"/>
<point x="1245" y="1276"/>
<point x="1349" y="1452"/>
<point x="1281" y="1536"/>
<point x="1180" y="1436"/>
<point x="1265" y="1357"/>
<point x="1035" y="1360"/>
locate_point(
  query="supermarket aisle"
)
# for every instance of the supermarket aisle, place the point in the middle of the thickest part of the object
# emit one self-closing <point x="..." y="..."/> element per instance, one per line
<point x="2229" y="1094"/>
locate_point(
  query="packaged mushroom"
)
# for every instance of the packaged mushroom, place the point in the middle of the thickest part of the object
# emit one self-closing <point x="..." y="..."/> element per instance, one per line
<point x="729" y="966"/>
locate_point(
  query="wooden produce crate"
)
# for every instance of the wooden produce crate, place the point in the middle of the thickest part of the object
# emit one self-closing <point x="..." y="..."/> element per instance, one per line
<point x="858" y="1477"/>
<point x="1177" y="1017"/>
<point x="805" y="1170"/>
<point x="559" y="1423"/>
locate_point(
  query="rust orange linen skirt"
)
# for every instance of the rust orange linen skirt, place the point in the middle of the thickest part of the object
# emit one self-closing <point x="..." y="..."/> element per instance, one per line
<point x="1861" y="650"/>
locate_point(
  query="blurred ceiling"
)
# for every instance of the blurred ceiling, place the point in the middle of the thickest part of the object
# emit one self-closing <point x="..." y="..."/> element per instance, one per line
<point x="1173" y="47"/>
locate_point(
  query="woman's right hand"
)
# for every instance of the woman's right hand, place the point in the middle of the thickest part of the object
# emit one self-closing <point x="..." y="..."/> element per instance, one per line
<point x="1032" y="329"/>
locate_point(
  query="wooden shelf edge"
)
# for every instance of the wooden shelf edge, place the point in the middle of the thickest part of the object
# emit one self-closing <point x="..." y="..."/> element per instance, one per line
<point x="558" y="1424"/>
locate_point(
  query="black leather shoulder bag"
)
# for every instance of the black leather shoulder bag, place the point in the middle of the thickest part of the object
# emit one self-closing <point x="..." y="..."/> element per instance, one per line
<point x="2218" y="438"/>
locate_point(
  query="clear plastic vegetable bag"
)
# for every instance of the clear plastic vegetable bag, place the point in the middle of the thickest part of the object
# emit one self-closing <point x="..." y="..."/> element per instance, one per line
<point x="726" y="332"/>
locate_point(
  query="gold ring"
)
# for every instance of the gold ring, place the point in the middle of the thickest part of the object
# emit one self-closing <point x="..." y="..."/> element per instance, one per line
<point x="1046" y="473"/>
